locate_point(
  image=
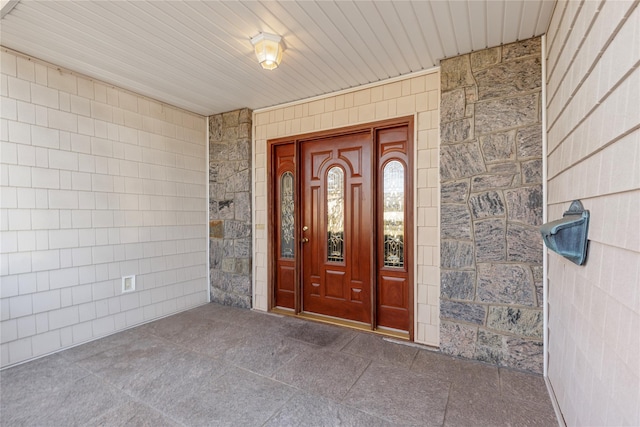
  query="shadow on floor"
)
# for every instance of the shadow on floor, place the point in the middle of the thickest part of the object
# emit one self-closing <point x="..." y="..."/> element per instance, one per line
<point x="217" y="366"/>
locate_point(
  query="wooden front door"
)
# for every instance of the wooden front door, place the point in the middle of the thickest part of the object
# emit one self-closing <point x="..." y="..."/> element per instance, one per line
<point x="337" y="226"/>
<point x="341" y="208"/>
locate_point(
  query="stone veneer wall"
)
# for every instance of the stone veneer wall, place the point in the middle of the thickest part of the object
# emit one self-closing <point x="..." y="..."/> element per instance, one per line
<point x="491" y="206"/>
<point x="230" y="207"/>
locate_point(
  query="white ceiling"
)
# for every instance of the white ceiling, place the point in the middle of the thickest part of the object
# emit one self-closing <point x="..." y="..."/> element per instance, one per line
<point x="197" y="54"/>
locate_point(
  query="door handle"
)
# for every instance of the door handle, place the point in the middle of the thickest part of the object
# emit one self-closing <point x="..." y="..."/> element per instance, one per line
<point x="305" y="240"/>
<point x="305" y="228"/>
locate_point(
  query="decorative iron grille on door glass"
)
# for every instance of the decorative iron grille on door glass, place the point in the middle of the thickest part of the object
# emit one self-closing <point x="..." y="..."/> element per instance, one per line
<point x="287" y="206"/>
<point x="393" y="214"/>
<point x="335" y="215"/>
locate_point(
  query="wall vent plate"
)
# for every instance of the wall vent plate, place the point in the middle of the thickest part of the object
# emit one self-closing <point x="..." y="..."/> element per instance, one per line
<point x="128" y="284"/>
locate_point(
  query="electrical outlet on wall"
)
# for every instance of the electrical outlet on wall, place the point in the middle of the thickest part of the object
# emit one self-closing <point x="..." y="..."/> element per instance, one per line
<point x="128" y="284"/>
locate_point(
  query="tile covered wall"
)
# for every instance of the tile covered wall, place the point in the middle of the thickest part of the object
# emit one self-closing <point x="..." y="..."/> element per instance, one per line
<point x="417" y="95"/>
<point x="97" y="183"/>
<point x="593" y="125"/>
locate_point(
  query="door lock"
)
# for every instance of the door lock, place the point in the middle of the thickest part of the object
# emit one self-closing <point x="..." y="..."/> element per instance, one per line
<point x="305" y="228"/>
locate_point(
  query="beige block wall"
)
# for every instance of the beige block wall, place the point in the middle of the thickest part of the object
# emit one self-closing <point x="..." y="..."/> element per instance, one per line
<point x="416" y="95"/>
<point x="97" y="183"/>
<point x="594" y="155"/>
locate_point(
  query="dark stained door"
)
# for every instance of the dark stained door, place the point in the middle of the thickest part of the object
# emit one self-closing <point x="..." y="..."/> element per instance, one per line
<point x="337" y="226"/>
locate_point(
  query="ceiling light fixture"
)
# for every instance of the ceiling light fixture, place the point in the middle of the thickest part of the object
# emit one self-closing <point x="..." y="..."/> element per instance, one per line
<point x="268" y="49"/>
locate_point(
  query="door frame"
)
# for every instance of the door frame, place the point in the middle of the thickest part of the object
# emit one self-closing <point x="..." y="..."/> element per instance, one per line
<point x="272" y="227"/>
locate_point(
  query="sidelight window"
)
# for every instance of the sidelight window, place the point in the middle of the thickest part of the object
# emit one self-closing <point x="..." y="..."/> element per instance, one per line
<point x="287" y="205"/>
<point x="393" y="214"/>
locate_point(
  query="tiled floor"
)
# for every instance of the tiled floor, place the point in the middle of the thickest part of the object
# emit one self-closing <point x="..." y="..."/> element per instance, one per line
<point x="216" y="365"/>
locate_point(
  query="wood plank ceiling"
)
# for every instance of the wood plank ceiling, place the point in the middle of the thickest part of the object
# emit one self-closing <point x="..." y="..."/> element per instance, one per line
<point x="197" y="54"/>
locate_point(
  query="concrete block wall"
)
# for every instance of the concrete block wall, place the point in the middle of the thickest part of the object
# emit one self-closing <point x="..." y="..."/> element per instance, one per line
<point x="97" y="183"/>
<point x="417" y="95"/>
<point x="593" y="126"/>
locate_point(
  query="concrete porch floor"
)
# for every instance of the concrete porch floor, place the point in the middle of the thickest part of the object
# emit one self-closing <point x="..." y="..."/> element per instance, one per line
<point x="216" y="365"/>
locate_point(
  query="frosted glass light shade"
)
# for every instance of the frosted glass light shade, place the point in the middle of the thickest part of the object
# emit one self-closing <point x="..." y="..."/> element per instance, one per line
<point x="268" y="49"/>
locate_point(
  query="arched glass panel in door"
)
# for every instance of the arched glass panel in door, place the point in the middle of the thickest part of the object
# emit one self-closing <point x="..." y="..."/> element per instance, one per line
<point x="335" y="214"/>
<point x="287" y="206"/>
<point x="393" y="214"/>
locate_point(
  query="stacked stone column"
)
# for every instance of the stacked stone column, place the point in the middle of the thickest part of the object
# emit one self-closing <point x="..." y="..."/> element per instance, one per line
<point x="230" y="207"/>
<point x="491" y="206"/>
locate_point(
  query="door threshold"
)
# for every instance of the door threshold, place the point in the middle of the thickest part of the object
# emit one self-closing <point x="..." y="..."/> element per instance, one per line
<point x="365" y="327"/>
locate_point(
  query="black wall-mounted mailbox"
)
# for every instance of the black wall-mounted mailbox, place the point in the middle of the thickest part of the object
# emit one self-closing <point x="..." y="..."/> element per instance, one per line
<point x="568" y="236"/>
